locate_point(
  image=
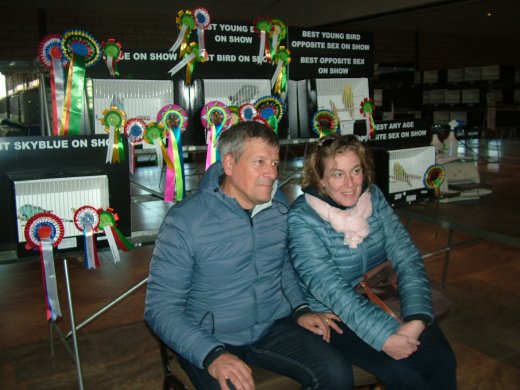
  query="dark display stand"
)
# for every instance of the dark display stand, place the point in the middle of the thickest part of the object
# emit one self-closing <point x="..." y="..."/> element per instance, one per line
<point x="31" y="158"/>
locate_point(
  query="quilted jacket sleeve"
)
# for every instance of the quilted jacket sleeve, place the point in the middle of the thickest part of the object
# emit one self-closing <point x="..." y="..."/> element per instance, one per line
<point x="167" y="289"/>
<point x="414" y="287"/>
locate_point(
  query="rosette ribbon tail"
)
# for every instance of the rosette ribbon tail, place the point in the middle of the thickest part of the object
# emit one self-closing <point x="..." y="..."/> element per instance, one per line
<point x="112" y="66"/>
<point x="109" y="232"/>
<point x="369" y="119"/>
<point x="181" y="38"/>
<point x="112" y="147"/>
<point x="202" y="42"/>
<point x="162" y="154"/>
<point x="211" y="154"/>
<point x="73" y="104"/>
<point x="182" y="64"/>
<point x="57" y="80"/>
<point x="121" y="240"/>
<point x="131" y="157"/>
<point x="273" y="122"/>
<point x="262" y="47"/>
<point x="50" y="287"/>
<point x="279" y="80"/>
<point x="180" y="188"/>
<point x="91" y="258"/>
<point x="274" y="43"/>
<point x="174" y="187"/>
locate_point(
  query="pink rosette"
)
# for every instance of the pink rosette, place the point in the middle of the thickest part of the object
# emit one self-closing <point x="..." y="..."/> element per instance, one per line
<point x="216" y="118"/>
<point x="175" y="120"/>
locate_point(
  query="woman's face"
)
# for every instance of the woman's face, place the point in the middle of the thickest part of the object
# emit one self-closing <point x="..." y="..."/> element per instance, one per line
<point x="343" y="178"/>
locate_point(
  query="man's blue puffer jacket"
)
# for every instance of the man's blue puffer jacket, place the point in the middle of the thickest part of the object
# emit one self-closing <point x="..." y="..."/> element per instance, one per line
<point x="218" y="275"/>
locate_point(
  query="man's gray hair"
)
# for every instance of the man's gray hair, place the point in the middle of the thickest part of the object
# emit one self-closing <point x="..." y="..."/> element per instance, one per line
<point x="232" y="141"/>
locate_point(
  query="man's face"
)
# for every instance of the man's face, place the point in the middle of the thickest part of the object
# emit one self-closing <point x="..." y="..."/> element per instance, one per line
<point x="250" y="179"/>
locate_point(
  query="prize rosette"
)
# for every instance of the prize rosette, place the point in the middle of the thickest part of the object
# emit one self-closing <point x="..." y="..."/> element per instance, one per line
<point x="51" y="56"/>
<point x="42" y="232"/>
<point x="116" y="239"/>
<point x="83" y="51"/>
<point x="191" y="57"/>
<point x="277" y="35"/>
<point x="216" y="118"/>
<point x="134" y="131"/>
<point x="185" y="23"/>
<point x="86" y="220"/>
<point x="235" y="114"/>
<point x="434" y="177"/>
<point x="247" y="112"/>
<point x="279" y="80"/>
<point x="112" y="54"/>
<point x="154" y="133"/>
<point x="262" y="27"/>
<point x="175" y="120"/>
<point x="114" y="121"/>
<point x="324" y="123"/>
<point x="202" y="21"/>
<point x="366" y="109"/>
<point x="271" y="109"/>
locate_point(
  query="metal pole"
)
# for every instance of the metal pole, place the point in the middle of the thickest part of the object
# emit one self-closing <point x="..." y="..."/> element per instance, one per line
<point x="73" y="325"/>
<point x="106" y="307"/>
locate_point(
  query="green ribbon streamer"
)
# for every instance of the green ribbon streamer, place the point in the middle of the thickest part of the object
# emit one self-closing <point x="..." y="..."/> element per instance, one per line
<point x="273" y="122"/>
<point x="77" y="90"/>
<point x="179" y="184"/>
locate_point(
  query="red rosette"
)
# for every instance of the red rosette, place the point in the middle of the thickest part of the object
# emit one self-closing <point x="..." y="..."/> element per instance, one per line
<point x="134" y="130"/>
<point x="86" y="216"/>
<point x="112" y="48"/>
<point x="215" y="113"/>
<point x="202" y="17"/>
<point x="43" y="226"/>
<point x="49" y="48"/>
<point x="247" y="112"/>
<point x="262" y="120"/>
<point x="172" y="117"/>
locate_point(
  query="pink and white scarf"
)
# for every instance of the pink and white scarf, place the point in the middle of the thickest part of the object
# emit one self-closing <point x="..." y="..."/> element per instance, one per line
<point x="352" y="222"/>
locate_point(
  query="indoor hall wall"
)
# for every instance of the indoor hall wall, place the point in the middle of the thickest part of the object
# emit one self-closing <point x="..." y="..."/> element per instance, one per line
<point x="22" y="28"/>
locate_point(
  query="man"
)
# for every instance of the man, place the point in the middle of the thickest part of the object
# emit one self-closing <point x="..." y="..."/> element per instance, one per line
<point x="222" y="292"/>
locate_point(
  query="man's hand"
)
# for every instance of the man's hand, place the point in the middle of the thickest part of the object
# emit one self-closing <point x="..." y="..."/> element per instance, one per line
<point x="229" y="367"/>
<point x="400" y="346"/>
<point x="320" y="323"/>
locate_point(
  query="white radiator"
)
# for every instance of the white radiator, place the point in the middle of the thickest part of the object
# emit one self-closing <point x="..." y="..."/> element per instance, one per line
<point x="406" y="168"/>
<point x="137" y="98"/>
<point x="236" y="92"/>
<point x="61" y="196"/>
<point x="343" y="97"/>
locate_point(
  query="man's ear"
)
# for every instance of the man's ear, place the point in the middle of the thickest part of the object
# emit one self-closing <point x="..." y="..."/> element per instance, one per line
<point x="228" y="162"/>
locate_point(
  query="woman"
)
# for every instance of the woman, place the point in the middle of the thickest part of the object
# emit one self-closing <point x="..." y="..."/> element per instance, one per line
<point x="342" y="227"/>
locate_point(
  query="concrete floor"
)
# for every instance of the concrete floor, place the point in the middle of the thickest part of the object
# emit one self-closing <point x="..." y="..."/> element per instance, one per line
<point x="117" y="350"/>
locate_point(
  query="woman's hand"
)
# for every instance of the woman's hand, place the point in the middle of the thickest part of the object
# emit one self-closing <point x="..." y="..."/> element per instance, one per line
<point x="400" y="346"/>
<point x="320" y="324"/>
<point x="412" y="329"/>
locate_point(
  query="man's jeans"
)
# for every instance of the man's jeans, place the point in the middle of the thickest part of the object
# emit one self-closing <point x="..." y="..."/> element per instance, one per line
<point x="290" y="350"/>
